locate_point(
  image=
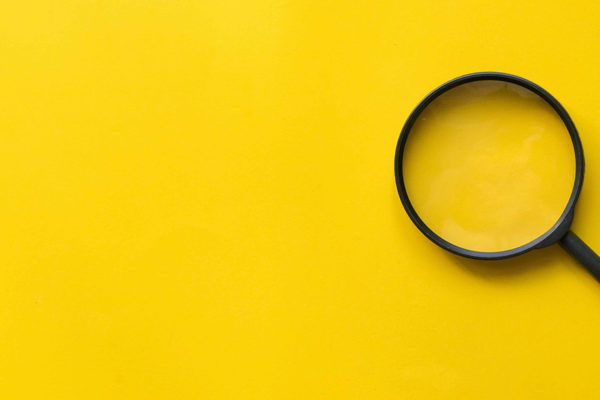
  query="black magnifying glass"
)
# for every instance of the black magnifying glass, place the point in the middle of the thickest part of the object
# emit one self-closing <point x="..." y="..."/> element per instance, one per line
<point x="489" y="165"/>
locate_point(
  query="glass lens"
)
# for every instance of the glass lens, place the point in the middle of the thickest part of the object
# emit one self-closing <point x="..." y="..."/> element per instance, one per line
<point x="489" y="166"/>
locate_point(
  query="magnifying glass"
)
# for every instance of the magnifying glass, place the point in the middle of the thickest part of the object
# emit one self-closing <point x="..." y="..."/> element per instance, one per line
<point x="490" y="165"/>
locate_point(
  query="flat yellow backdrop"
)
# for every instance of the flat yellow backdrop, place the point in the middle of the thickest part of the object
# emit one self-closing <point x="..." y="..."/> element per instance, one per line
<point x="198" y="202"/>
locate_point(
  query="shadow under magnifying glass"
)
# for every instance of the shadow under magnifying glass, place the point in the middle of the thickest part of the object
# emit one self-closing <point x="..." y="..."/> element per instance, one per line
<point x="514" y="268"/>
<point x="511" y="268"/>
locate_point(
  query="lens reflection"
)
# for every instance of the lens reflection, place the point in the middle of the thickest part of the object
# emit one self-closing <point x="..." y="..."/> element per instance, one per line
<point x="489" y="166"/>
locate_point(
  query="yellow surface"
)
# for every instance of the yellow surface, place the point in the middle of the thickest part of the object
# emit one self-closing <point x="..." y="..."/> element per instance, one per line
<point x="198" y="202"/>
<point x="489" y="166"/>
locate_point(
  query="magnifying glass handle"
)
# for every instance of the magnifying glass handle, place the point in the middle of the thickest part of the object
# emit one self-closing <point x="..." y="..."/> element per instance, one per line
<point x="582" y="253"/>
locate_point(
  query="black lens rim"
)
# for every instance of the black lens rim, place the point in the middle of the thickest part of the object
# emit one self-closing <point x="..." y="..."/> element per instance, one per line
<point x="549" y="237"/>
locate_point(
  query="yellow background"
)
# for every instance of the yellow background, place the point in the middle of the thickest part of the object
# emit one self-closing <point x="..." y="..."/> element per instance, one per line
<point x="198" y="202"/>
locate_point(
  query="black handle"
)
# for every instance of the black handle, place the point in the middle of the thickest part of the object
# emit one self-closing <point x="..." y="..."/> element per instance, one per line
<point x="582" y="253"/>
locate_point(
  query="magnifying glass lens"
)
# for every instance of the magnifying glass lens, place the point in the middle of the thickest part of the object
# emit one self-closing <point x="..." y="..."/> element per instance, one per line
<point x="489" y="166"/>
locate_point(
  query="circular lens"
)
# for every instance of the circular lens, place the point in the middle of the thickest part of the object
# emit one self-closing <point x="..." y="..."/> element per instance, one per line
<point x="489" y="166"/>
